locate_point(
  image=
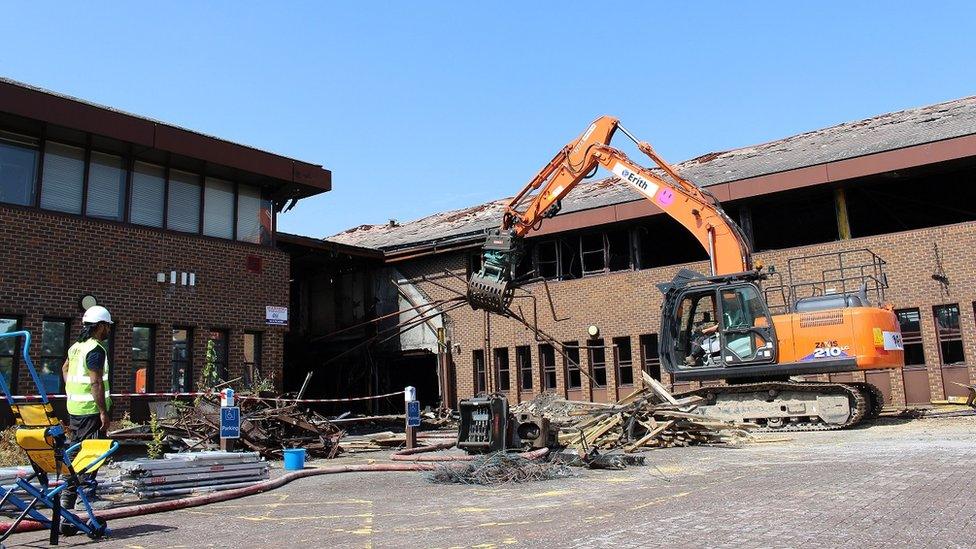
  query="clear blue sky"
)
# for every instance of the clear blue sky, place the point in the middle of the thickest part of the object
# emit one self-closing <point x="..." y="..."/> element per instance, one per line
<point x="419" y="107"/>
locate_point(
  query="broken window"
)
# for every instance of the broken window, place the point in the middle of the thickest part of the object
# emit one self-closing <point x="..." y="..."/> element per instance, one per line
<point x="650" y="359"/>
<point x="624" y="361"/>
<point x="909" y="320"/>
<point x="948" y="333"/>
<point x="547" y="259"/>
<point x="523" y="361"/>
<point x="547" y="365"/>
<point x="571" y="361"/>
<point x="593" y="253"/>
<point x="478" y="359"/>
<point x="796" y="218"/>
<point x="662" y="241"/>
<point x="502" y="372"/>
<point x="598" y="362"/>
<point x="570" y="264"/>
<point x="619" y="250"/>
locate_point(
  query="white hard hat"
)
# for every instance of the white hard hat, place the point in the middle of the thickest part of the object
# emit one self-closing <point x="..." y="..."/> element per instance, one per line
<point x="96" y="314"/>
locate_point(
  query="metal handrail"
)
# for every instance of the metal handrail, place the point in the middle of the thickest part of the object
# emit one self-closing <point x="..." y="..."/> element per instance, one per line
<point x="30" y="366"/>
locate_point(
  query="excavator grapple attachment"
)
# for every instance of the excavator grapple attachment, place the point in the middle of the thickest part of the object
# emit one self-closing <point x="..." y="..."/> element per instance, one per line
<point x="491" y="288"/>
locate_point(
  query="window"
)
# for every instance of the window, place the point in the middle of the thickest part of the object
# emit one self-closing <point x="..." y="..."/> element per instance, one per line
<point x="571" y="362"/>
<point x="64" y="178"/>
<point x="502" y="370"/>
<point x="624" y="360"/>
<point x="547" y="363"/>
<point x="143" y="339"/>
<point x="593" y="253"/>
<point x="253" y="216"/>
<point x="218" y="208"/>
<point x="547" y="259"/>
<point x="8" y="352"/>
<point x="948" y="333"/>
<point x="148" y="195"/>
<point x="478" y="359"/>
<point x="18" y="169"/>
<point x="183" y="211"/>
<point x="909" y="320"/>
<point x="523" y="361"/>
<point x="252" y="358"/>
<point x="650" y="359"/>
<point x="106" y="187"/>
<point x="619" y="250"/>
<point x="598" y="362"/>
<point x="182" y="360"/>
<point x="54" y="350"/>
<point x="217" y="353"/>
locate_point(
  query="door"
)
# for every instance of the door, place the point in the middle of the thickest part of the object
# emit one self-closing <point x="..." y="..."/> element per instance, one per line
<point x="746" y="330"/>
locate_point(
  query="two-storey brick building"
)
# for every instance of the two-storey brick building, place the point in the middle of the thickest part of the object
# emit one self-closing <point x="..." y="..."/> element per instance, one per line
<point x="899" y="185"/>
<point x="172" y="230"/>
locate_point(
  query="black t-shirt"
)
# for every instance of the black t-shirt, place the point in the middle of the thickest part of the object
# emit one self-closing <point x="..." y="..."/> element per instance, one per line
<point x="95" y="360"/>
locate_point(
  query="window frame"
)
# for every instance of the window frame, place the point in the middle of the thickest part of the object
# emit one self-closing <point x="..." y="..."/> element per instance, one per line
<point x="66" y="335"/>
<point x="594" y="348"/>
<point x="913" y="338"/>
<point x="17" y="351"/>
<point x="480" y="371"/>
<point x="942" y="338"/>
<point x="570" y="347"/>
<point x="547" y="369"/>
<point x="523" y="365"/>
<point x="647" y="359"/>
<point x="222" y="362"/>
<point x="619" y="364"/>
<point x="250" y="368"/>
<point x="188" y="370"/>
<point x="27" y="142"/>
<point x="150" y="361"/>
<point x="501" y="355"/>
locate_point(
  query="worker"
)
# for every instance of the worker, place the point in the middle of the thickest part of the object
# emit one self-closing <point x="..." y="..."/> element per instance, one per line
<point x="86" y="382"/>
<point x="705" y="341"/>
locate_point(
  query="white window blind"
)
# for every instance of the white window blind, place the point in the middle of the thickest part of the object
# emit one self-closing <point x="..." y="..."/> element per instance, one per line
<point x="249" y="214"/>
<point x="18" y="169"/>
<point x="106" y="187"/>
<point x="64" y="178"/>
<point x="148" y="194"/>
<point x="183" y="213"/>
<point x="218" y="208"/>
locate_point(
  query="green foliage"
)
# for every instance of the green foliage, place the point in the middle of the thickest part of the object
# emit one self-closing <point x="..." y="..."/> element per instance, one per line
<point x="154" y="450"/>
<point x="210" y="377"/>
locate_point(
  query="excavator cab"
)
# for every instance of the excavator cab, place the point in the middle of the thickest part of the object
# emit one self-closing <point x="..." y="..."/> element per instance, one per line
<point x="715" y="323"/>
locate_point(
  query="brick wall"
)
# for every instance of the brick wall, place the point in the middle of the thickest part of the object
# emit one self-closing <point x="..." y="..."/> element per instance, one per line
<point x="49" y="261"/>
<point x="627" y="303"/>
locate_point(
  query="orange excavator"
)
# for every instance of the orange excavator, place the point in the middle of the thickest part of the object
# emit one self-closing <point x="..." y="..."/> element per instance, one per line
<point x="715" y="327"/>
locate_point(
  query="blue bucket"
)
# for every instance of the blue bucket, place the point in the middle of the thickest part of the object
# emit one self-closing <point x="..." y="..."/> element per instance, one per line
<point x="294" y="459"/>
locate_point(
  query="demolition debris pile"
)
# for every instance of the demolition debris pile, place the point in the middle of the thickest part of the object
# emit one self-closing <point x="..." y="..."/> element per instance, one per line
<point x="647" y="418"/>
<point x="499" y="468"/>
<point x="267" y="427"/>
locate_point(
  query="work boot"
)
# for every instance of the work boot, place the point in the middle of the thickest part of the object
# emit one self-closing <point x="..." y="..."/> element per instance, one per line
<point x="96" y="503"/>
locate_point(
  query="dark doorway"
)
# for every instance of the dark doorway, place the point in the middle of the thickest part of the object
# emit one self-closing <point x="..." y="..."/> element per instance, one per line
<point x="416" y="369"/>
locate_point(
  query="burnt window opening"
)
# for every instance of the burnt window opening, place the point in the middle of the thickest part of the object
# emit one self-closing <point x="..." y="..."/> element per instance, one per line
<point x="624" y="361"/>
<point x="650" y="358"/>
<point x="662" y="241"/>
<point x="474" y="262"/>
<point x="598" y="362"/>
<point x="948" y="334"/>
<point x="523" y="361"/>
<point x="478" y="359"/>
<point x="547" y="259"/>
<point x="899" y="201"/>
<point x="593" y="253"/>
<point x="547" y="366"/>
<point x="619" y="253"/>
<point x="571" y="264"/>
<point x="571" y="363"/>
<point x="909" y="321"/>
<point x="797" y="218"/>
<point x="502" y="371"/>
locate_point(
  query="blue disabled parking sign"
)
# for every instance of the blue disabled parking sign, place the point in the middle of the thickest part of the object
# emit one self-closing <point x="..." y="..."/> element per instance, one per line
<point x="230" y="422"/>
<point x="413" y="414"/>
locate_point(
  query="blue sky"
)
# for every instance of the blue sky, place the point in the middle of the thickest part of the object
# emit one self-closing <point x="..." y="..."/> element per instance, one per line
<point x="419" y="107"/>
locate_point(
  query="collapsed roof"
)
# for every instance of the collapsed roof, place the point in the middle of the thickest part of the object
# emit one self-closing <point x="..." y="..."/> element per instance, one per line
<point x="848" y="140"/>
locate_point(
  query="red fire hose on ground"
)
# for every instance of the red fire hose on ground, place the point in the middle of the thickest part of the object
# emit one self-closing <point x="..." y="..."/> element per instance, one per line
<point x="271" y="484"/>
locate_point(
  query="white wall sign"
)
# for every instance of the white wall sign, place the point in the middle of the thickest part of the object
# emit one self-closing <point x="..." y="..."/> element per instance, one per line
<point x="276" y="316"/>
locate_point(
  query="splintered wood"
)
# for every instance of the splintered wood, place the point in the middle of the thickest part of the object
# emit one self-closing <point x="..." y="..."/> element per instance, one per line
<point x="647" y="418"/>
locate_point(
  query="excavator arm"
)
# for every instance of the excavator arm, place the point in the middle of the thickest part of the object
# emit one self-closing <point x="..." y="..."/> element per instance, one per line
<point x="697" y="210"/>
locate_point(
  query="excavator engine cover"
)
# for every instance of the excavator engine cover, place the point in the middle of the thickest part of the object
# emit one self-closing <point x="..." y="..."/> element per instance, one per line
<point x="491" y="287"/>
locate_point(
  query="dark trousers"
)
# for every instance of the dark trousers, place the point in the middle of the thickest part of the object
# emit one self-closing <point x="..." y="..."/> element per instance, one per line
<point x="82" y="428"/>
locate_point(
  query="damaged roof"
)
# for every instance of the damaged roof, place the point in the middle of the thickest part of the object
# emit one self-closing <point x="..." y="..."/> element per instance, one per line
<point x="848" y="140"/>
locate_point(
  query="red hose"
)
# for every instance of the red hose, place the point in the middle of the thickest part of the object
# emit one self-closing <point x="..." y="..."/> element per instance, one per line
<point x="271" y="484"/>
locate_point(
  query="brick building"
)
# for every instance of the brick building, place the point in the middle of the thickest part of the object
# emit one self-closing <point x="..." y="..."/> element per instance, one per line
<point x="172" y="230"/>
<point x="893" y="189"/>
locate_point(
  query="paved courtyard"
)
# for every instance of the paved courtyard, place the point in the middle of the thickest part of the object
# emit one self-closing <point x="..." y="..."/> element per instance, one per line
<point x="895" y="483"/>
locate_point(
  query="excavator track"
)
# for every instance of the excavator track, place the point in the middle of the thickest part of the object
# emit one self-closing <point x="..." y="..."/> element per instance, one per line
<point x="877" y="399"/>
<point x="786" y="406"/>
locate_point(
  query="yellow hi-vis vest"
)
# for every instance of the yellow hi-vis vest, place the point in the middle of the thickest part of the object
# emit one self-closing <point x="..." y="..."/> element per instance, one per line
<point x="81" y="402"/>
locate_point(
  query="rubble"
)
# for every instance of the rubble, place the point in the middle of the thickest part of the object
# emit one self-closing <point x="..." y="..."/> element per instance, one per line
<point x="649" y="417"/>
<point x="499" y="468"/>
<point x="268" y="426"/>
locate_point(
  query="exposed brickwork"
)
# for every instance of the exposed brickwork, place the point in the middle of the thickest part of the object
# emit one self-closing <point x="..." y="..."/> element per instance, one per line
<point x="628" y="303"/>
<point x="50" y="261"/>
